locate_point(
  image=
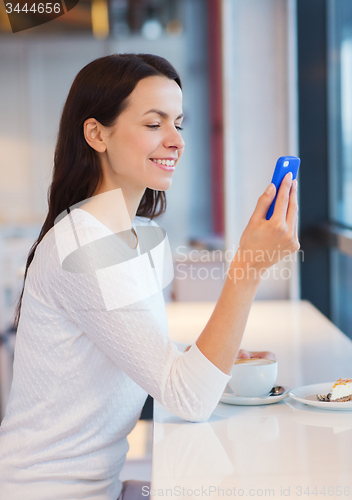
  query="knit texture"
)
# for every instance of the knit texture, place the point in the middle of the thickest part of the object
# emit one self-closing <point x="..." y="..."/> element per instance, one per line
<point x="82" y="372"/>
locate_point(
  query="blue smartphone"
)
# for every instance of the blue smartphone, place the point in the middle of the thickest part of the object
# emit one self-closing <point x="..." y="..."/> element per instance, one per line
<point x="284" y="165"/>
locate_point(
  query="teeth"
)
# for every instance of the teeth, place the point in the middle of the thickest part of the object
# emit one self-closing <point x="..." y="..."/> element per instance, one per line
<point x="168" y="163"/>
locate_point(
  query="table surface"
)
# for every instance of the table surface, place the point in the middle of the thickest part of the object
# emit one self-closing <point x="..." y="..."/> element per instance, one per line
<point x="286" y="449"/>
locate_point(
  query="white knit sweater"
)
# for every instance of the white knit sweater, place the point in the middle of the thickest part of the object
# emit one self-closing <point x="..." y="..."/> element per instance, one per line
<point x="82" y="374"/>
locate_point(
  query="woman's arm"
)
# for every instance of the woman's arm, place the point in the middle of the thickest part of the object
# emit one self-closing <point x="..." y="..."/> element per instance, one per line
<point x="134" y="338"/>
<point x="104" y="308"/>
<point x="262" y="244"/>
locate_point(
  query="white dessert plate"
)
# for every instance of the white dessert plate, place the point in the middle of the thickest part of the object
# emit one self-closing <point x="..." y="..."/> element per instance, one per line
<point x="307" y="395"/>
<point x="230" y="398"/>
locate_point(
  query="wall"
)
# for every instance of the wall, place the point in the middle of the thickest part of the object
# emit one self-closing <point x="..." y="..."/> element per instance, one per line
<point x="258" y="92"/>
<point x="36" y="74"/>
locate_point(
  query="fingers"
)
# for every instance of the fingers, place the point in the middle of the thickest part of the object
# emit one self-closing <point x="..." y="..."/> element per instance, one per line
<point x="243" y="354"/>
<point x="264" y="355"/>
<point x="264" y="203"/>
<point x="292" y="210"/>
<point x="267" y="198"/>
<point x="292" y="217"/>
<point x="281" y="205"/>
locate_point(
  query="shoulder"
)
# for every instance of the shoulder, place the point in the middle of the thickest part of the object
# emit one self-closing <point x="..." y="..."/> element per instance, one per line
<point x="72" y="231"/>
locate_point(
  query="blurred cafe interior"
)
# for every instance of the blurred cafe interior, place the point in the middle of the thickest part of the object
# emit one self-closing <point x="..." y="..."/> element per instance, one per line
<point x="261" y="79"/>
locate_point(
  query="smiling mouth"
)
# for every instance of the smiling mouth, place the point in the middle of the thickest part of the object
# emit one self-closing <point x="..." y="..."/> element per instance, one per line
<point x="168" y="163"/>
<point x="164" y="164"/>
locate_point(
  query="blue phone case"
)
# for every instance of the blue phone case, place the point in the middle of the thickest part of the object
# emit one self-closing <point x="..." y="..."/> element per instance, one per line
<point x="284" y="165"/>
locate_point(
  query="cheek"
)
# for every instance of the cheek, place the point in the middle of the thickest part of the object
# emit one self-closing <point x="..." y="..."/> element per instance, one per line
<point x="180" y="153"/>
<point x="147" y="144"/>
<point x="134" y="148"/>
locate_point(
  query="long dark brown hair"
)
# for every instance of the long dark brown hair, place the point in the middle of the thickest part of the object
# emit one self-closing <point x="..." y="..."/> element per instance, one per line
<point x="100" y="91"/>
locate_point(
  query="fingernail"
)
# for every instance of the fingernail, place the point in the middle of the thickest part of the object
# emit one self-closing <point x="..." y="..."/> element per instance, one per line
<point x="289" y="176"/>
<point x="295" y="183"/>
<point x="270" y="188"/>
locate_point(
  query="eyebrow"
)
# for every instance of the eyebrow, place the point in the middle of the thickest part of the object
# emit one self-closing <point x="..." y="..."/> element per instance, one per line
<point x="162" y="113"/>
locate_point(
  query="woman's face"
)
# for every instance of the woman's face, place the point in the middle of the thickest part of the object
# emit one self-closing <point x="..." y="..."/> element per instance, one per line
<point x="144" y="145"/>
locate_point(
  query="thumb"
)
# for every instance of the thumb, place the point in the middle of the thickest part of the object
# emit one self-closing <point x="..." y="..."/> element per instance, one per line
<point x="264" y="202"/>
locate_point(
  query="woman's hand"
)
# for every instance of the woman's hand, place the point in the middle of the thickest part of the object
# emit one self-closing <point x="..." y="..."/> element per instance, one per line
<point x="243" y="354"/>
<point x="265" y="242"/>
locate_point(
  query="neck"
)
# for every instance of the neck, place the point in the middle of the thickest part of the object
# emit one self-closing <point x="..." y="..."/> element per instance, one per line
<point x="116" y="208"/>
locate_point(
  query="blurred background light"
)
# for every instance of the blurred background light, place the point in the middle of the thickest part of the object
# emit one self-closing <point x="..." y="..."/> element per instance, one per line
<point x="152" y="29"/>
<point x="174" y="27"/>
<point x="109" y="18"/>
<point x="100" y="18"/>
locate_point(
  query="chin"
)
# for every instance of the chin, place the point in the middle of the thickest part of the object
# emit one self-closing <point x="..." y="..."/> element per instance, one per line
<point x="160" y="186"/>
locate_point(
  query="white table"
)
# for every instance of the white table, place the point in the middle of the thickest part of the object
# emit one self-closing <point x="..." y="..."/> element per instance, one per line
<point x="281" y="450"/>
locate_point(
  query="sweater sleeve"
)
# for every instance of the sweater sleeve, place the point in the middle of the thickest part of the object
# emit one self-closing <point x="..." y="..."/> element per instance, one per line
<point x="132" y="335"/>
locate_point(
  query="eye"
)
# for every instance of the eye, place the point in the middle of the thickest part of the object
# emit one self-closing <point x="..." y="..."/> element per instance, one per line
<point x="155" y="127"/>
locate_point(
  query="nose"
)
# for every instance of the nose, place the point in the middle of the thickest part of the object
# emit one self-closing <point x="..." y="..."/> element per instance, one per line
<point x="174" y="139"/>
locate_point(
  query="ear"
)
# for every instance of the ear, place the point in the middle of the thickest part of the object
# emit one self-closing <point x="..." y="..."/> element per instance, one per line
<point x="94" y="134"/>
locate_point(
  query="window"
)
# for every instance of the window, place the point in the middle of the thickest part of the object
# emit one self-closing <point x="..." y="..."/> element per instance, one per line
<point x="325" y="135"/>
<point x="339" y="57"/>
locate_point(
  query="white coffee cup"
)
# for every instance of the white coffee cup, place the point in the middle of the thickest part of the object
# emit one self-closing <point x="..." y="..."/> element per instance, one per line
<point x="253" y="377"/>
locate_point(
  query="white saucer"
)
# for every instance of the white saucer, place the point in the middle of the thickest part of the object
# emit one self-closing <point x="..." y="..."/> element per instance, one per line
<point x="307" y="395"/>
<point x="230" y="398"/>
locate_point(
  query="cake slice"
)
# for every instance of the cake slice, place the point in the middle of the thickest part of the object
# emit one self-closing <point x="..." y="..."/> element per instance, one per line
<point x="342" y="390"/>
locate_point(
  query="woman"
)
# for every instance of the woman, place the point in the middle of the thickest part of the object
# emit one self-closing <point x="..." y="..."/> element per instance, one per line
<point x="91" y="344"/>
